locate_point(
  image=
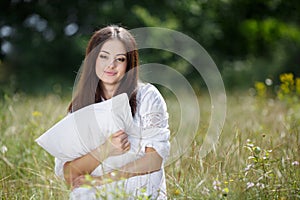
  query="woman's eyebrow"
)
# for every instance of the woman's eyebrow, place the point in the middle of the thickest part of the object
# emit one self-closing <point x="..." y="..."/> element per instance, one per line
<point x="119" y="54"/>
<point x="105" y="51"/>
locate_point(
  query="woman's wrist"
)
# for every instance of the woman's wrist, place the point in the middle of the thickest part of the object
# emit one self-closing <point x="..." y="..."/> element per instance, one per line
<point x="100" y="153"/>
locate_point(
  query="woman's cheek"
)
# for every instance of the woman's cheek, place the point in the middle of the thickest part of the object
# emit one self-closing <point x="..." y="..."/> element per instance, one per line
<point x="99" y="70"/>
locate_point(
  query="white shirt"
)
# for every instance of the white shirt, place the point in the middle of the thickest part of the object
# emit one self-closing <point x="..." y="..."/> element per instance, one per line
<point x="151" y="115"/>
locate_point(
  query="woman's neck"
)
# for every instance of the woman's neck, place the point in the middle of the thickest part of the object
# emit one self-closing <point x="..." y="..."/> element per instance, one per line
<point x="109" y="90"/>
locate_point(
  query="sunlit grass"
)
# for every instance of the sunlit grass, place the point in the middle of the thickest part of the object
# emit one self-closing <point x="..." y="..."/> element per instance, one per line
<point x="26" y="169"/>
<point x="237" y="169"/>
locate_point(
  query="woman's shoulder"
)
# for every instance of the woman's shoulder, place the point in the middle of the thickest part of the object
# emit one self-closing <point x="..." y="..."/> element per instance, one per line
<point x="149" y="100"/>
<point x="149" y="95"/>
<point x="147" y="90"/>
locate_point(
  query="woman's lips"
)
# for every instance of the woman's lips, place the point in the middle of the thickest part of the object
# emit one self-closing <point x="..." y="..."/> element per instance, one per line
<point x="110" y="73"/>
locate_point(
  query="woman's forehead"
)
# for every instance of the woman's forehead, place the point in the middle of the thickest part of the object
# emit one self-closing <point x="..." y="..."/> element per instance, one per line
<point x="113" y="46"/>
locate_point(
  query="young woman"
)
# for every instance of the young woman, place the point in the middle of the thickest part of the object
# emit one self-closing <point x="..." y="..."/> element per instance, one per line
<point x="111" y="68"/>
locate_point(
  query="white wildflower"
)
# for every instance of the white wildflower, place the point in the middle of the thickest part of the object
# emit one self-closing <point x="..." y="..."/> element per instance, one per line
<point x="248" y="167"/>
<point x="216" y="185"/>
<point x="250" y="185"/>
<point x="295" y="163"/>
<point x="4" y="149"/>
<point x="260" y="185"/>
<point x="205" y="191"/>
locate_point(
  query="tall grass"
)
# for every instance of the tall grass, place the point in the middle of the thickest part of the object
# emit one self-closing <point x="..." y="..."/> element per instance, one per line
<point x="257" y="156"/>
<point x="27" y="170"/>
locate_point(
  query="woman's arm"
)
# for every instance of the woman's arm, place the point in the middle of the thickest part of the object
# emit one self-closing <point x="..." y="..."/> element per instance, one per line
<point x="149" y="163"/>
<point x="117" y="144"/>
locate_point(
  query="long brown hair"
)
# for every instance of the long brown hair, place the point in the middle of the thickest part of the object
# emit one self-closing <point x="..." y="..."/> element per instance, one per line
<point x="89" y="89"/>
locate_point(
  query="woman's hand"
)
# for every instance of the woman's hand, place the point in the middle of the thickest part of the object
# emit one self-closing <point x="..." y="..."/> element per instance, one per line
<point x="117" y="144"/>
<point x="79" y="181"/>
<point x="93" y="181"/>
<point x="149" y="163"/>
<point x="85" y="180"/>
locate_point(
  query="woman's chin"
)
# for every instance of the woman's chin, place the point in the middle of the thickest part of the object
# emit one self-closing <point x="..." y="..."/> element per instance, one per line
<point x="110" y="81"/>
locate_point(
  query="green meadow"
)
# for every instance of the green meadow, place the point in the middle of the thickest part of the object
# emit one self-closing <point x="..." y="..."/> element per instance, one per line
<point x="257" y="155"/>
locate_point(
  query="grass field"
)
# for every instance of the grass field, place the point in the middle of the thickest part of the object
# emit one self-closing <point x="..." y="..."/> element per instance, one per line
<point x="257" y="156"/>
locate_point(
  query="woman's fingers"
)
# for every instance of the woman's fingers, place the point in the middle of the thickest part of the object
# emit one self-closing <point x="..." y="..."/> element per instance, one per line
<point x="118" y="143"/>
<point x="122" y="137"/>
<point x="118" y="133"/>
<point x="78" y="181"/>
<point x="126" y="146"/>
<point x="125" y="143"/>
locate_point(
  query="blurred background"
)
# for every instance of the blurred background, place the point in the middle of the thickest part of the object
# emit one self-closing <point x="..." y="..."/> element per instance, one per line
<point x="254" y="43"/>
<point x="43" y="42"/>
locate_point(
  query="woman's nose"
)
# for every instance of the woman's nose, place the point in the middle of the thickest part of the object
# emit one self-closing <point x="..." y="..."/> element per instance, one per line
<point x="112" y="63"/>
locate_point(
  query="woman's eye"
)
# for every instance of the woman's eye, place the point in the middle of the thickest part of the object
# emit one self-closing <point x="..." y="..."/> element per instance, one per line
<point x="121" y="59"/>
<point x="103" y="56"/>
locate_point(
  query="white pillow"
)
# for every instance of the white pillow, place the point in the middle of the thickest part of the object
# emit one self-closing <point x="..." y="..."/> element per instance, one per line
<point x="84" y="130"/>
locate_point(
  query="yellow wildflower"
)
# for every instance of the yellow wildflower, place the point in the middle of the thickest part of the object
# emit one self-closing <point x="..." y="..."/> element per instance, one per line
<point x="287" y="78"/>
<point x="226" y="190"/>
<point x="289" y="87"/>
<point x="298" y="86"/>
<point x="285" y="88"/>
<point x="36" y="114"/>
<point x="177" y="192"/>
<point x="287" y="83"/>
<point x="261" y="89"/>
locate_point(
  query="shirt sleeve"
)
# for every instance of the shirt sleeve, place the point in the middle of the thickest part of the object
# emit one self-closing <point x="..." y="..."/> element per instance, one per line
<point x="59" y="168"/>
<point x="154" y="121"/>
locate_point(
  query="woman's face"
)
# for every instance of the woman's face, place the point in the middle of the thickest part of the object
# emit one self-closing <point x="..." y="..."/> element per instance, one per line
<point x="111" y="62"/>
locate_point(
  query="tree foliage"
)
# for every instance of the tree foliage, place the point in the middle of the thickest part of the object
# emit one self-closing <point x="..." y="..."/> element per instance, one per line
<point x="43" y="42"/>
